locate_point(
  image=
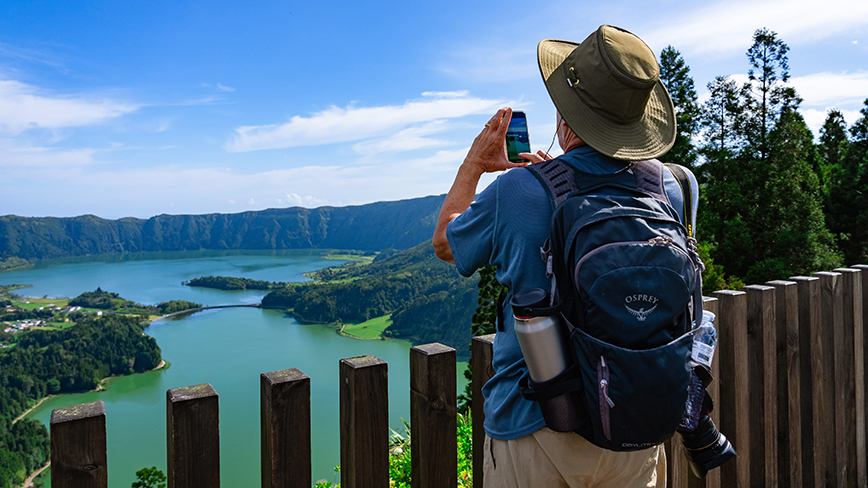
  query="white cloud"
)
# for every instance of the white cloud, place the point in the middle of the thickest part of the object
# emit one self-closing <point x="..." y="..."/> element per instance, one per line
<point x="308" y="201"/>
<point x="404" y="140"/>
<point x="815" y="118"/>
<point x="16" y="159"/>
<point x="225" y="88"/>
<point x="335" y="125"/>
<point x="726" y="27"/>
<point x="832" y="89"/>
<point x="23" y="108"/>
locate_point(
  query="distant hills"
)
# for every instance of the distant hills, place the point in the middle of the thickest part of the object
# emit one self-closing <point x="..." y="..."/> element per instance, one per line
<point x="427" y="298"/>
<point x="372" y="227"/>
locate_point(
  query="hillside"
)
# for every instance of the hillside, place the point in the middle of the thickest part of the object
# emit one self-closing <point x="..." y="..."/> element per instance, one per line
<point x="376" y="226"/>
<point x="428" y="299"/>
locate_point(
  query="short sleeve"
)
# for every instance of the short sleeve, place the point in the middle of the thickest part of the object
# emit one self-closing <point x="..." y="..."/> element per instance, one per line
<point x="471" y="234"/>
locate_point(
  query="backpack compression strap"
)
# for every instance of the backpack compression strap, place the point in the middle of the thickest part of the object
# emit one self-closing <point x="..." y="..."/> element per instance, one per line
<point x="687" y="191"/>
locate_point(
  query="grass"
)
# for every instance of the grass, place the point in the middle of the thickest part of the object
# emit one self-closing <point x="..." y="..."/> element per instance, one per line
<point x="362" y="260"/>
<point x="369" y="329"/>
<point x="34" y="303"/>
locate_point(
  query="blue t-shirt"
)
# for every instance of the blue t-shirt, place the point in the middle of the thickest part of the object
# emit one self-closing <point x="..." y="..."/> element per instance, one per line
<point x="506" y="226"/>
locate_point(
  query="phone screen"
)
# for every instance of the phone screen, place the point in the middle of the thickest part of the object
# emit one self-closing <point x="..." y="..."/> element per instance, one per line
<point x="517" y="140"/>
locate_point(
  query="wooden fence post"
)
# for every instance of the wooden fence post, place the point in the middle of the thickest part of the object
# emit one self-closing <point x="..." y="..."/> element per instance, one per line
<point x="809" y="323"/>
<point x="789" y="427"/>
<point x="849" y="395"/>
<point x="433" y="409"/>
<point x="825" y="382"/>
<point x="481" y="354"/>
<point x="712" y="479"/>
<point x="735" y="416"/>
<point x="862" y="331"/>
<point x="193" y="437"/>
<point x="78" y="446"/>
<point x="762" y="376"/>
<point x="284" y="416"/>
<point x="678" y="473"/>
<point x="364" y="422"/>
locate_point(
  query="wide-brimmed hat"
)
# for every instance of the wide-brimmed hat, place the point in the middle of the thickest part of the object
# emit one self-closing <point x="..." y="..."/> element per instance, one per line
<point x="608" y="90"/>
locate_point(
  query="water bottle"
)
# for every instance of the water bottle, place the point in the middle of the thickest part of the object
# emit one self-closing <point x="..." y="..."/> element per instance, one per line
<point x="543" y="343"/>
<point x="541" y="338"/>
<point x="704" y="342"/>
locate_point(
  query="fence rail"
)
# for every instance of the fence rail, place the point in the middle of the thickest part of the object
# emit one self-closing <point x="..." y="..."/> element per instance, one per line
<point x="789" y="390"/>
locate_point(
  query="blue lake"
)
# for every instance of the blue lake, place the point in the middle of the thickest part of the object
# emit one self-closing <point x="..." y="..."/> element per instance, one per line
<point x="228" y="348"/>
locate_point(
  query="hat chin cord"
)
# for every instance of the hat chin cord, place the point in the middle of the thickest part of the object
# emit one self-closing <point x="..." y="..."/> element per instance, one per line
<point x="549" y="151"/>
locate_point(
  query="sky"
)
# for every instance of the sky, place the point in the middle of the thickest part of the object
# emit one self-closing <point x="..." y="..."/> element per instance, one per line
<point x="134" y="109"/>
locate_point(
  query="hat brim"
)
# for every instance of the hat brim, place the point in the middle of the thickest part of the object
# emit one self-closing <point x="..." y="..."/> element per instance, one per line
<point x="647" y="138"/>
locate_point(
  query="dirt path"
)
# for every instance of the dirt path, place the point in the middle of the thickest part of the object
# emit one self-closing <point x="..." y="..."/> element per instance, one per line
<point x="28" y="483"/>
<point x="29" y="409"/>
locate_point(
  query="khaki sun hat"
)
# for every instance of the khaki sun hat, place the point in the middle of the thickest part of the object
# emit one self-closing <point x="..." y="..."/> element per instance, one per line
<point x="608" y="90"/>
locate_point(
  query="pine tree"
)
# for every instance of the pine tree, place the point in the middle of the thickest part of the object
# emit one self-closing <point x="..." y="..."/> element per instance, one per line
<point x="724" y="198"/>
<point x="848" y="195"/>
<point x="788" y="227"/>
<point x="675" y="75"/>
<point x="769" y="68"/>
<point x="833" y="146"/>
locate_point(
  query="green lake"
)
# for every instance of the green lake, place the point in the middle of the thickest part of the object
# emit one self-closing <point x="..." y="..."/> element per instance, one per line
<point x="228" y="348"/>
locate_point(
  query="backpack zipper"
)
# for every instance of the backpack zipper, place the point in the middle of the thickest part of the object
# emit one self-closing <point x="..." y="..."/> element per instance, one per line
<point x="657" y="241"/>
<point x="606" y="402"/>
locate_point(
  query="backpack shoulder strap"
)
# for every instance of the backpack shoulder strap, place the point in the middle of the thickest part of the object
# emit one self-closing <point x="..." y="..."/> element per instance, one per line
<point x="557" y="177"/>
<point x="649" y="178"/>
<point x="687" y="192"/>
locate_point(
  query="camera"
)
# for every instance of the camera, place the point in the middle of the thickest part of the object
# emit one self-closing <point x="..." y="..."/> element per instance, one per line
<point x="705" y="447"/>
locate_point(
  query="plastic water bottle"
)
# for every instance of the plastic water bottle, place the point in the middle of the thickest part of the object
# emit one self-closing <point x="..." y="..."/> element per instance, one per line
<point x="704" y="342"/>
<point x="541" y="338"/>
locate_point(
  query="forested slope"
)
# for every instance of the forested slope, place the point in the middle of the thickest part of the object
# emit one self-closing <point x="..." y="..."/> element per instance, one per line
<point x="400" y="225"/>
<point x="428" y="299"/>
<point x="57" y="361"/>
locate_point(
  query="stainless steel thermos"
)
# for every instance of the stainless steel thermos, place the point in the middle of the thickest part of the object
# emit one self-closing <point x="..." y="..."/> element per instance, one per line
<point x="542" y="339"/>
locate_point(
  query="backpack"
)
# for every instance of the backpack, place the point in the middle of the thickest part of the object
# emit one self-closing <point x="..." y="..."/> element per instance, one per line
<point x="624" y="270"/>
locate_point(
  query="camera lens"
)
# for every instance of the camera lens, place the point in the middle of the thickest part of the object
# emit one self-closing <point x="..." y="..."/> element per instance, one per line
<point x="705" y="447"/>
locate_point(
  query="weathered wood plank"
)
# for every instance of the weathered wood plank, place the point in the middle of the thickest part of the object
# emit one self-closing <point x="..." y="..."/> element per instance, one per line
<point x="809" y="322"/>
<point x="789" y="427"/>
<point x="193" y="437"/>
<point x="847" y="368"/>
<point x="826" y="383"/>
<point x="364" y="410"/>
<point x="734" y="401"/>
<point x="762" y="375"/>
<point x="481" y="352"/>
<point x="284" y="416"/>
<point x="78" y="446"/>
<point x="678" y="474"/>
<point x="712" y="479"/>
<point x="862" y="380"/>
<point x="433" y="409"/>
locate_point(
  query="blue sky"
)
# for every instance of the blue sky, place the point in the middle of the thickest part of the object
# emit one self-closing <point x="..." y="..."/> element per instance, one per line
<point x="135" y="109"/>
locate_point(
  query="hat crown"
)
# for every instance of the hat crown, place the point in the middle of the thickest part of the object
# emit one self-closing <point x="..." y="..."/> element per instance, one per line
<point x="629" y="54"/>
<point x="616" y="73"/>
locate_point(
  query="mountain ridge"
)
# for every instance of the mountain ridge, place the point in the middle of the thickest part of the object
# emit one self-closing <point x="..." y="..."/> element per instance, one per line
<point x="399" y="224"/>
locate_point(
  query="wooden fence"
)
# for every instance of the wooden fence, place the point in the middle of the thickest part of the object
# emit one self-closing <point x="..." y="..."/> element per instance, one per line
<point x="789" y="390"/>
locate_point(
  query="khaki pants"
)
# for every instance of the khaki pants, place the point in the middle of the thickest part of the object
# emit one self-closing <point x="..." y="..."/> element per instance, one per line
<point x="547" y="458"/>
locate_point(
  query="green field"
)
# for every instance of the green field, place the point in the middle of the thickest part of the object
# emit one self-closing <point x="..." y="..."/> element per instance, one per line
<point x="34" y="303"/>
<point x="369" y="329"/>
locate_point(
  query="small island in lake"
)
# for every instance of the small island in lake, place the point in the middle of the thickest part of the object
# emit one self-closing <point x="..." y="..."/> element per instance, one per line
<point x="232" y="283"/>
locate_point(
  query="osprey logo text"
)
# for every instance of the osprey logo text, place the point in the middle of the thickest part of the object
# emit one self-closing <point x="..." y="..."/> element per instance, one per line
<point x="642" y="313"/>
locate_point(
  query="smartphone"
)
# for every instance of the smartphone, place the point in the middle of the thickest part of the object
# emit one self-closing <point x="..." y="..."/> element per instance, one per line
<point x="517" y="139"/>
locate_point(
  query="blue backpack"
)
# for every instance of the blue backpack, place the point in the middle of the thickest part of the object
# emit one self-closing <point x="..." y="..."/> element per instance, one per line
<point x="624" y="271"/>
